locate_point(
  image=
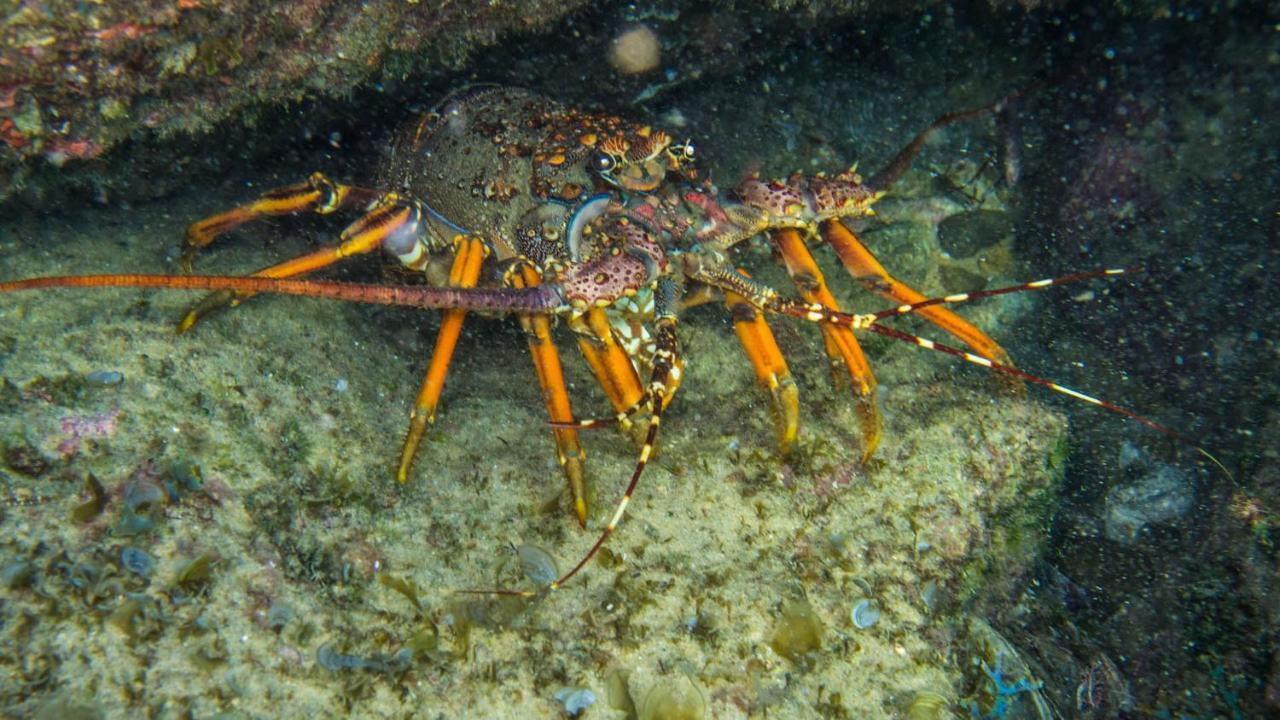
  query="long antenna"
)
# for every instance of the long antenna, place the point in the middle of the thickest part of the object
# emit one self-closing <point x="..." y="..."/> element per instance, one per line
<point x="542" y="298"/>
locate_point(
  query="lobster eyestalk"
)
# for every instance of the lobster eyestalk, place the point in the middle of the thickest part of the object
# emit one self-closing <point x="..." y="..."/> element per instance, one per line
<point x="539" y="299"/>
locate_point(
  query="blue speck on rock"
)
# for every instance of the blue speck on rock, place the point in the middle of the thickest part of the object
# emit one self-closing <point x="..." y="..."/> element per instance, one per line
<point x="1003" y="693"/>
<point x="575" y="700"/>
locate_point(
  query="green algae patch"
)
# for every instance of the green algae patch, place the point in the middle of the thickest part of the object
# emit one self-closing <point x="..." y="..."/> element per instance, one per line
<point x="88" y="511"/>
<point x="798" y="631"/>
<point x="195" y="573"/>
<point x="404" y="586"/>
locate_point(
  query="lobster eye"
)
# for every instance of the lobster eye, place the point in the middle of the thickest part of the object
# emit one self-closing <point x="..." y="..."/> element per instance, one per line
<point x="605" y="163"/>
<point x="681" y="153"/>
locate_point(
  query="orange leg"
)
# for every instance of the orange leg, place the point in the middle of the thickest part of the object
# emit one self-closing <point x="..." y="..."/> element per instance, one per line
<point x="608" y="361"/>
<point x="771" y="368"/>
<point x="840" y="342"/>
<point x="391" y="216"/>
<point x="316" y="194"/>
<point x="864" y="267"/>
<point x="468" y="256"/>
<point x="546" y="361"/>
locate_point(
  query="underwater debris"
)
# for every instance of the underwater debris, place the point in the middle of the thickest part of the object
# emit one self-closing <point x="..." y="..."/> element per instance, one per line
<point x="141" y="499"/>
<point x="330" y="659"/>
<point x="998" y="659"/>
<point x="132" y="525"/>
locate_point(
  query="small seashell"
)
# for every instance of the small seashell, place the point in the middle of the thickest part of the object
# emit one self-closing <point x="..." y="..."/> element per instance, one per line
<point x="330" y="659"/>
<point x="136" y="561"/>
<point x="928" y="705"/>
<point x="865" y="614"/>
<point x="104" y="378"/>
<point x="132" y="524"/>
<point x="279" y="615"/>
<point x="537" y="564"/>
<point x="141" y="496"/>
<point x="575" y="700"/>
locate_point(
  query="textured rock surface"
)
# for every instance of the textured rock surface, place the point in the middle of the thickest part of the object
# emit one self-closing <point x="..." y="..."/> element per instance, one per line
<point x="78" y="78"/>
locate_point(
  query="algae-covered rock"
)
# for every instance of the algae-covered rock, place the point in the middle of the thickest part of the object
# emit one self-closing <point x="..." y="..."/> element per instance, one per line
<point x="78" y="78"/>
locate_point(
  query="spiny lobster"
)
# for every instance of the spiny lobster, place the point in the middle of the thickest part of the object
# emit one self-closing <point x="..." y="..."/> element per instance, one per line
<point x="508" y="202"/>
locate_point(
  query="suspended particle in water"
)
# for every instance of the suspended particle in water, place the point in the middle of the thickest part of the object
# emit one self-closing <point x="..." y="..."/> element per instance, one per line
<point x="635" y="51"/>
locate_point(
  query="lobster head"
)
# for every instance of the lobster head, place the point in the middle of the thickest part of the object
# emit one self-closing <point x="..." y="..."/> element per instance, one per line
<point x="640" y="159"/>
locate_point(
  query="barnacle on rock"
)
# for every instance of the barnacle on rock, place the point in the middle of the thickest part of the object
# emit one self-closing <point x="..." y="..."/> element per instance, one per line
<point x="677" y="698"/>
<point x="618" y="693"/>
<point x="927" y="705"/>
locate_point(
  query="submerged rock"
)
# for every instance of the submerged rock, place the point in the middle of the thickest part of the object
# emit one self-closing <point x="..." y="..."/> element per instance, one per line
<point x="1161" y="496"/>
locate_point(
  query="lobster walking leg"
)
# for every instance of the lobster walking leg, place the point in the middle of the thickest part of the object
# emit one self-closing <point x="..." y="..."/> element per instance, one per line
<point x="668" y="367"/>
<point x="316" y="194"/>
<point x="841" y="345"/>
<point x="868" y="271"/>
<point x="391" y="219"/>
<point x="546" y="361"/>
<point x="469" y="254"/>
<point x="771" y="368"/>
<point x="608" y="361"/>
